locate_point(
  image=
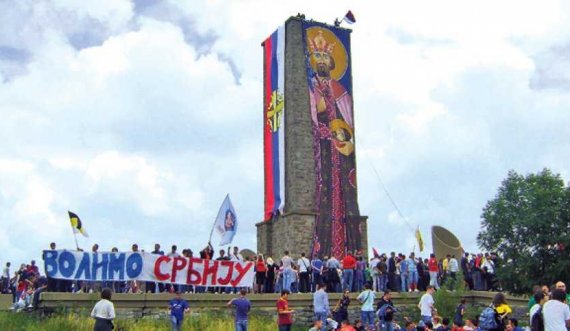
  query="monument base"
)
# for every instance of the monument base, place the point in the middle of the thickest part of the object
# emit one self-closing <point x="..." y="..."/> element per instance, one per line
<point x="293" y="232"/>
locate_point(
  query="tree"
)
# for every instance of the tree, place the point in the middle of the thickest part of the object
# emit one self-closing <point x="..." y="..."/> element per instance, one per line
<point x="528" y="225"/>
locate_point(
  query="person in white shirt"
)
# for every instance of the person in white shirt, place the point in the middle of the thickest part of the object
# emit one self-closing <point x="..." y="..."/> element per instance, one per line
<point x="453" y="266"/>
<point x="235" y="256"/>
<point x="104" y="312"/>
<point x="556" y="312"/>
<point x="426" y="305"/>
<point x="540" y="298"/>
<point x="304" y="264"/>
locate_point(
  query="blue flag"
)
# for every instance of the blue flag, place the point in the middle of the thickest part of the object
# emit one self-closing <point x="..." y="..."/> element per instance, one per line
<point x="226" y="222"/>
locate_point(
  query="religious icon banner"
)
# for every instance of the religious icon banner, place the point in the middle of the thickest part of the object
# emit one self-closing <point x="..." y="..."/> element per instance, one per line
<point x="274" y="123"/>
<point x="337" y="225"/>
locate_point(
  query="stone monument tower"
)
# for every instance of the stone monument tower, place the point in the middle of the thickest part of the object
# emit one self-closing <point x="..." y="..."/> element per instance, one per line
<point x="311" y="201"/>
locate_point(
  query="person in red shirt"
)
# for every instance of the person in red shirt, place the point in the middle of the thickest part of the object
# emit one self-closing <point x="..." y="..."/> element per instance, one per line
<point x="348" y="266"/>
<point x="260" y="273"/>
<point x="285" y="315"/>
<point x="433" y="270"/>
<point x="346" y="326"/>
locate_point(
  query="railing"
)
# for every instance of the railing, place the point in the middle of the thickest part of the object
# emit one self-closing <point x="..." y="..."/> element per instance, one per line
<point x="143" y="302"/>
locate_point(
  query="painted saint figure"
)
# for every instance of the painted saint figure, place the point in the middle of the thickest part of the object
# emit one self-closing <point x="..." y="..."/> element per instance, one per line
<point x="229" y="229"/>
<point x="338" y="220"/>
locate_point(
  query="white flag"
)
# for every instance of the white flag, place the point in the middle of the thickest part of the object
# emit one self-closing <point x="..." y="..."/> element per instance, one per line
<point x="226" y="222"/>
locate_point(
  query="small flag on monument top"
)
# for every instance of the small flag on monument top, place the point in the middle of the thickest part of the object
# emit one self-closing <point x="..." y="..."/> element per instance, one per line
<point x="349" y="18"/>
<point x="375" y="252"/>
<point x="226" y="222"/>
<point x="76" y="224"/>
<point x="419" y="239"/>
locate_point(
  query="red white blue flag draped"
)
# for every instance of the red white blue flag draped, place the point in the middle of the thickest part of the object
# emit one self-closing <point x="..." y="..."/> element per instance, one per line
<point x="274" y="123"/>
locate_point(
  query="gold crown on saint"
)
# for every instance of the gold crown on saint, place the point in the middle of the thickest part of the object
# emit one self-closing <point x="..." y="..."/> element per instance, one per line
<point x="320" y="44"/>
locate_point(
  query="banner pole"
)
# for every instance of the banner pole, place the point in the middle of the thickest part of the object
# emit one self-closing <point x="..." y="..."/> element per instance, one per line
<point x="75" y="237"/>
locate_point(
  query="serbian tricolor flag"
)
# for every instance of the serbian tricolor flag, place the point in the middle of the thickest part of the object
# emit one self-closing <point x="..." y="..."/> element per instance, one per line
<point x="349" y="18"/>
<point x="274" y="122"/>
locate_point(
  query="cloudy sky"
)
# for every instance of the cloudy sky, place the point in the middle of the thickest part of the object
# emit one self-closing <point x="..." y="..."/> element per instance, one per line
<point x="141" y="115"/>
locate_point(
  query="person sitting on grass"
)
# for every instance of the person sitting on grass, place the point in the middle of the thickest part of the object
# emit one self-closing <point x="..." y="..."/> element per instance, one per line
<point x="457" y="326"/>
<point x="345" y="326"/>
<point x="178" y="307"/>
<point x="317" y="324"/>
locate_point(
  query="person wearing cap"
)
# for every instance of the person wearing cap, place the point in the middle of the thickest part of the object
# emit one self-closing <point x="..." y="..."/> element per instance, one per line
<point x="178" y="307"/>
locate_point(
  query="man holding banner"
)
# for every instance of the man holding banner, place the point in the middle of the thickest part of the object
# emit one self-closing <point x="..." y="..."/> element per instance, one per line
<point x="136" y="266"/>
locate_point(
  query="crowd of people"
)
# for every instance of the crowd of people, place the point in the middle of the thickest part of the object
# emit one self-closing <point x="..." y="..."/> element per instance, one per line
<point x="374" y="280"/>
<point x="396" y="272"/>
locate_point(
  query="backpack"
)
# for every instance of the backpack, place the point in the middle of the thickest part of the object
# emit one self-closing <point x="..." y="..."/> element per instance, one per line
<point x="537" y="321"/>
<point x="488" y="319"/>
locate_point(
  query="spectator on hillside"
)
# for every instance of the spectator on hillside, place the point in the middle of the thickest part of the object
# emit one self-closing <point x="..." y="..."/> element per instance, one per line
<point x="6" y="279"/>
<point x="178" y="307"/>
<point x="285" y="315"/>
<point x="359" y="274"/>
<point x="427" y="305"/>
<point x="556" y="312"/>
<point x="104" y="312"/>
<point x="540" y="299"/>
<point x="243" y="306"/>
<point x="272" y="270"/>
<point x="288" y="272"/>
<point x="260" y="274"/>
<point x="333" y="279"/>
<point x="321" y="304"/>
<point x="367" y="297"/>
<point x="459" y="313"/>
<point x="503" y="310"/>
<point x="348" y="267"/>
<point x="385" y="311"/>
<point x="433" y="271"/>
<point x="304" y="269"/>
<point x="412" y="273"/>
<point x="317" y="273"/>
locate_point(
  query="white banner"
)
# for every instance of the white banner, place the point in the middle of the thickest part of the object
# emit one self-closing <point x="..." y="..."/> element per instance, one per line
<point x="108" y="266"/>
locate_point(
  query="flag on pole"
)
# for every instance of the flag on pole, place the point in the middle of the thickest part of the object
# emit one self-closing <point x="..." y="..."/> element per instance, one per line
<point x="349" y="18"/>
<point x="226" y="222"/>
<point x="375" y="252"/>
<point x="76" y="224"/>
<point x="419" y="239"/>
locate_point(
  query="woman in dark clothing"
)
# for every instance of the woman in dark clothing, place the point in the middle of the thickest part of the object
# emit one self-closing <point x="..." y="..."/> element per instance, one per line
<point x="340" y="311"/>
<point x="270" y="278"/>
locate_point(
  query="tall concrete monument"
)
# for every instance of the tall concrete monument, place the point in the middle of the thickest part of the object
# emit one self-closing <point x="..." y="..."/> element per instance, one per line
<point x="311" y="203"/>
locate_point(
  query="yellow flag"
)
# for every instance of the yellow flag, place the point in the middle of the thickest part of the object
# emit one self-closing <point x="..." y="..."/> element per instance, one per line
<point x="420" y="239"/>
<point x="76" y="224"/>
